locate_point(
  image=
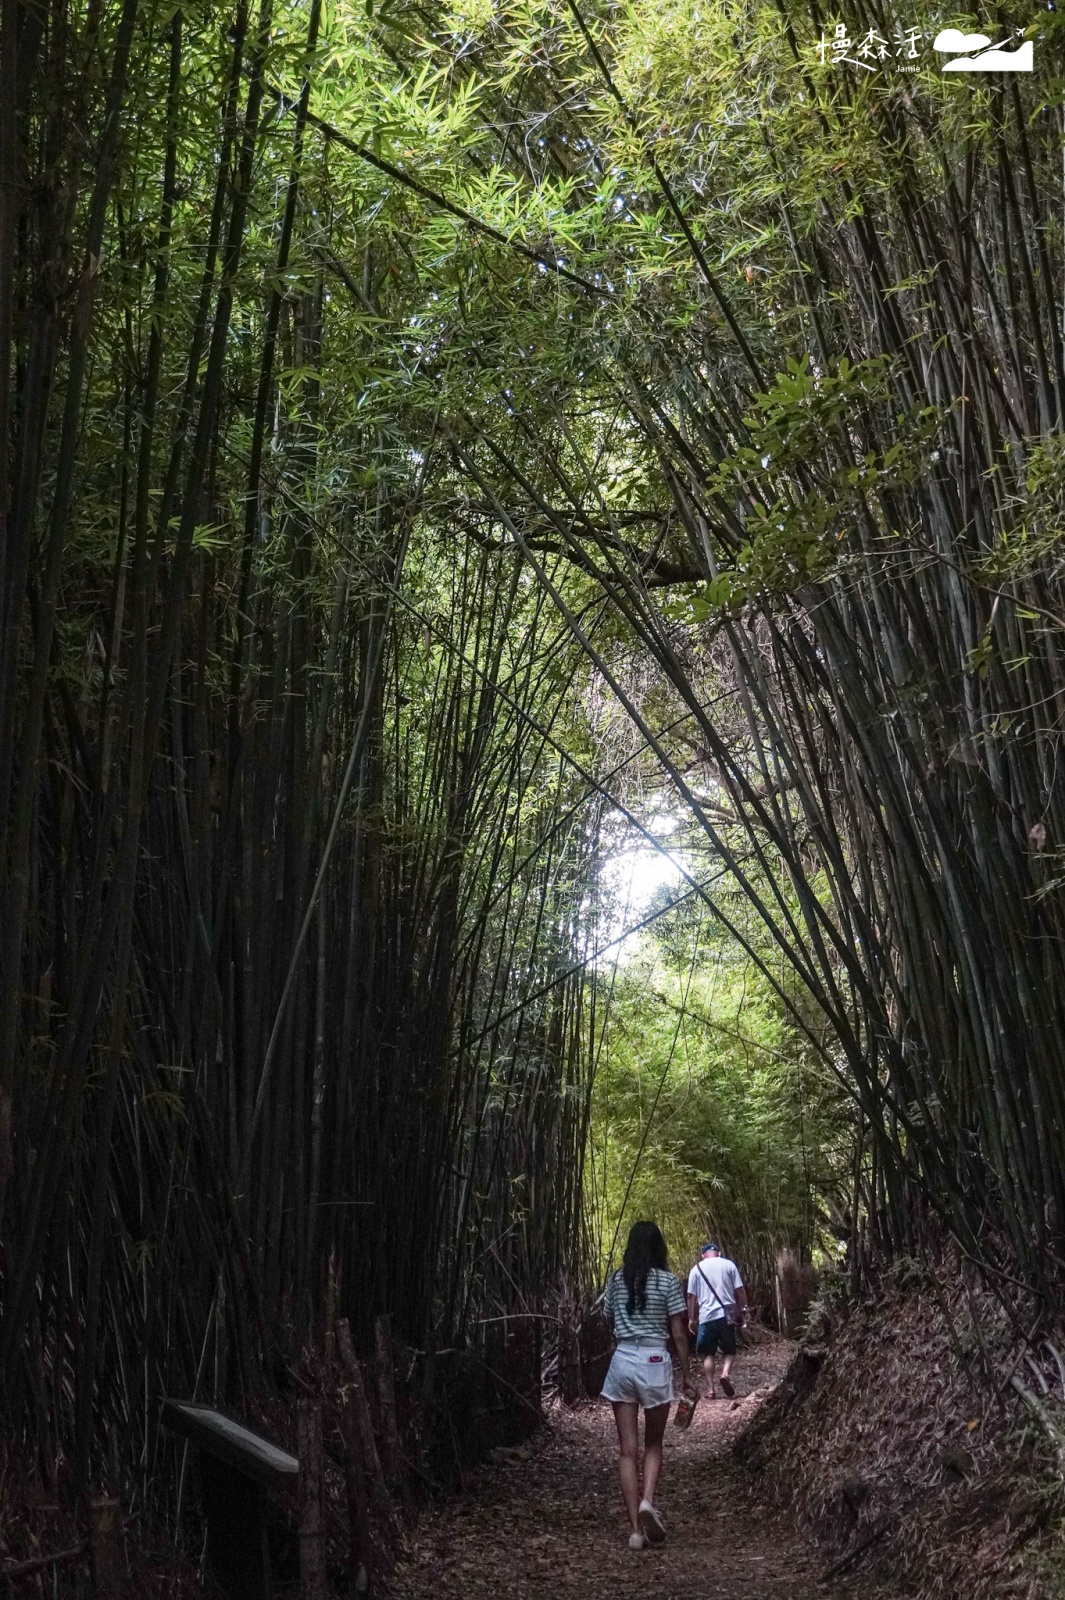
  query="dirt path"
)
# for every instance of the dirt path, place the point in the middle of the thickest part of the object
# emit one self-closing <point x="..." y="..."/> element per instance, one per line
<point x="546" y="1521"/>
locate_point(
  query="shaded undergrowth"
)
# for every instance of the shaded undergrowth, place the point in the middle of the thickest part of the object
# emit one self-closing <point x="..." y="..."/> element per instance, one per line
<point x="916" y="1438"/>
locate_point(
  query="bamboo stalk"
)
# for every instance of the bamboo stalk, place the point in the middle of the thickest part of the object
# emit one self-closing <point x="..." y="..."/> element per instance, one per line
<point x="314" y="1583"/>
<point x="363" y="1419"/>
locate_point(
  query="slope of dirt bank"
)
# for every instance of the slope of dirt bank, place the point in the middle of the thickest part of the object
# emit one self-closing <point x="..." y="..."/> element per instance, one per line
<point x="546" y="1520"/>
<point x="900" y="1440"/>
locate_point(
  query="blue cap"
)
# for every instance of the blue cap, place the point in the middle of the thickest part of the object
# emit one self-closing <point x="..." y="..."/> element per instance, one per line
<point x="707" y="1247"/>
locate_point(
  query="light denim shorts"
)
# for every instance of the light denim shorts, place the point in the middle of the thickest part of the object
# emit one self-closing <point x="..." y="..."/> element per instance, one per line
<point x="640" y="1374"/>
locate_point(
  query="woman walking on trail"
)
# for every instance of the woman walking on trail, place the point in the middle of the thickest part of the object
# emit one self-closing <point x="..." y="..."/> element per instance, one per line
<point x="645" y="1303"/>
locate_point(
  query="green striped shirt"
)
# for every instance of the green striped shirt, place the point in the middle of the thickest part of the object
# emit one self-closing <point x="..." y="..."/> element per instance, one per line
<point x="665" y="1299"/>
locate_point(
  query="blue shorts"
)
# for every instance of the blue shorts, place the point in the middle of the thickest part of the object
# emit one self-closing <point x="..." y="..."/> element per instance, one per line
<point x="715" y="1335"/>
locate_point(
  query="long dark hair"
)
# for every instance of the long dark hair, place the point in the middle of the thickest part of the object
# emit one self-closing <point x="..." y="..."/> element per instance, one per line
<point x="645" y="1249"/>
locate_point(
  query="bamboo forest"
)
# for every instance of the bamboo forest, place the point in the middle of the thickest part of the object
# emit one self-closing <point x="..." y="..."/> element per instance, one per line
<point x="532" y="701"/>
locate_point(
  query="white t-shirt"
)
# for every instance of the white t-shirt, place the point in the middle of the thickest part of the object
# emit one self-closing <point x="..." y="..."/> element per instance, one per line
<point x="719" y="1274"/>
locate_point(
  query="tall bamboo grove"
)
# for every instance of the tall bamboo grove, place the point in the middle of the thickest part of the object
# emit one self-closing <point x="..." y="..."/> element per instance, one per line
<point x="292" y="856"/>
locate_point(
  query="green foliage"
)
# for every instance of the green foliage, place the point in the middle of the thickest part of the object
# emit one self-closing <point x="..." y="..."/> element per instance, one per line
<point x="711" y="1106"/>
<point x="737" y="393"/>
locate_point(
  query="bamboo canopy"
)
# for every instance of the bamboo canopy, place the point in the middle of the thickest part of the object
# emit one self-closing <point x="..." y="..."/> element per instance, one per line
<point x="379" y="393"/>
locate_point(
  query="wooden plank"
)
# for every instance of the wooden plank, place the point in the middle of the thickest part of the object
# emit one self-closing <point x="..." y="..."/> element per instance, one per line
<point x="230" y="1441"/>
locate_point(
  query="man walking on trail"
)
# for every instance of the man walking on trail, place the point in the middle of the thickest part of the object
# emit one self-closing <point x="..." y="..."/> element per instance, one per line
<point x="716" y="1298"/>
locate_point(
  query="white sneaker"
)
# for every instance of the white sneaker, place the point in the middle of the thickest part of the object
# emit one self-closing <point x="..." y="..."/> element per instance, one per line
<point x="637" y="1541"/>
<point x="651" y="1523"/>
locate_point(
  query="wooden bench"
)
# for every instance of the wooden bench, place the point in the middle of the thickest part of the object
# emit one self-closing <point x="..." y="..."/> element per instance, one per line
<point x="237" y="1467"/>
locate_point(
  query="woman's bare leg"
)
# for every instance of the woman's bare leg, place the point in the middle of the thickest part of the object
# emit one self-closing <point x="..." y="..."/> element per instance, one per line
<point x="627" y="1417"/>
<point x="654" y="1427"/>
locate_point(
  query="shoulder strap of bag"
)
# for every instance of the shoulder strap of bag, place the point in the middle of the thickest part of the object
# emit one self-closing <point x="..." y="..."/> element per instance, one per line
<point x="709" y="1285"/>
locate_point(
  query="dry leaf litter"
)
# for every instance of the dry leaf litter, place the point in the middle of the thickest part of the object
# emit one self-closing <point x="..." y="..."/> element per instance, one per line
<point x="545" y="1520"/>
<point x="889" y="1442"/>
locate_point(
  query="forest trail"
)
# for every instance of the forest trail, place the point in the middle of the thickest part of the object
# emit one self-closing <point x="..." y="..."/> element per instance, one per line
<point x="547" y="1520"/>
